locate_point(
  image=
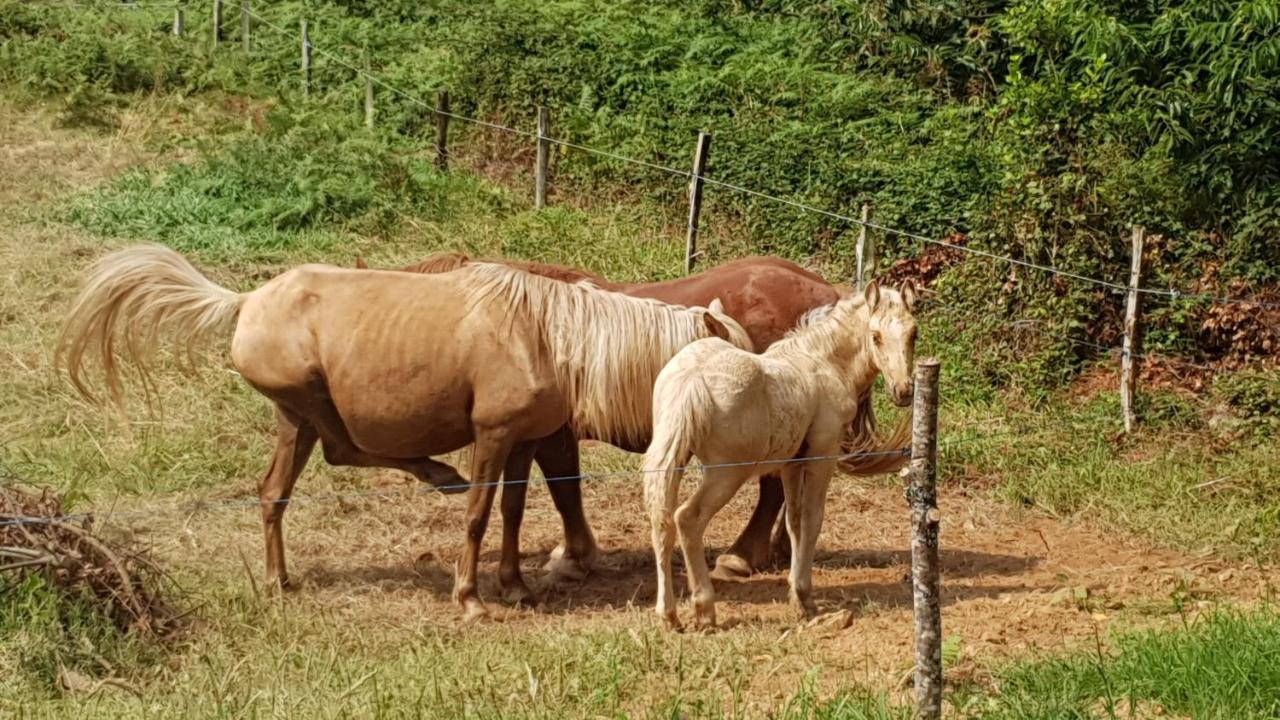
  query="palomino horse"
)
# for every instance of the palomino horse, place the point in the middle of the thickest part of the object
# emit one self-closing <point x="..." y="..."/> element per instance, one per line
<point x="387" y="369"/>
<point x="768" y="296"/>
<point x="743" y="414"/>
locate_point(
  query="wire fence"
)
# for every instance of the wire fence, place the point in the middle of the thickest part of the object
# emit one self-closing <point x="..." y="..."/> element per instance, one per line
<point x="427" y="489"/>
<point x="365" y="73"/>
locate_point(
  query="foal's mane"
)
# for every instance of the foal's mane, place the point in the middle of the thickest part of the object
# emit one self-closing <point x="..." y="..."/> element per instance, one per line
<point x="818" y="330"/>
<point x="608" y="348"/>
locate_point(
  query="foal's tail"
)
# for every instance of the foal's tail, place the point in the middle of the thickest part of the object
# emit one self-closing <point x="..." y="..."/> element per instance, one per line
<point x="135" y="294"/>
<point x="680" y="402"/>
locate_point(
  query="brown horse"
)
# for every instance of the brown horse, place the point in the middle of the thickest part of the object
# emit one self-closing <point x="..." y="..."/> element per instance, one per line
<point x="768" y="296"/>
<point x="387" y="369"/>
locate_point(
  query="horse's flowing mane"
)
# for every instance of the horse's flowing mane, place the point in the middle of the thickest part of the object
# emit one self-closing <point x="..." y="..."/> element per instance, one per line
<point x="608" y="348"/>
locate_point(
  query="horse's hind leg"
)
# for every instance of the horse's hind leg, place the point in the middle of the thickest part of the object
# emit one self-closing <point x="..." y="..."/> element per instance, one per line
<point x="719" y="485"/>
<point x="751" y="551"/>
<point x="515" y="486"/>
<point x="490" y="457"/>
<point x="340" y="450"/>
<point x="294" y="441"/>
<point x="558" y="457"/>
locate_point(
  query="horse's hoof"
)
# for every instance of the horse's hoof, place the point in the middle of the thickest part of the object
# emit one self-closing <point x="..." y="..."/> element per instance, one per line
<point x="279" y="586"/>
<point x="561" y="568"/>
<point x="519" y="595"/>
<point x="671" y="621"/>
<point x="473" y="612"/>
<point x="444" y="478"/>
<point x="807" y="609"/>
<point x="704" y="619"/>
<point x="731" y="567"/>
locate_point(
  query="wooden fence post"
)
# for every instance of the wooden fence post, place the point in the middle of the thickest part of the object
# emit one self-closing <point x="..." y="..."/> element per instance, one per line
<point x="179" y="21"/>
<point x="246" y="43"/>
<point x="544" y="157"/>
<point x="306" y="58"/>
<point x="866" y="251"/>
<point x="368" y="93"/>
<point x="442" y="130"/>
<point x="217" y="22"/>
<point x="922" y="495"/>
<point x="1127" y="365"/>
<point x="700" y="153"/>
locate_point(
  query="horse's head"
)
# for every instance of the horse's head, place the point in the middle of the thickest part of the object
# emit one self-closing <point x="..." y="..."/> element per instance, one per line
<point x="892" y="337"/>
<point x="724" y="327"/>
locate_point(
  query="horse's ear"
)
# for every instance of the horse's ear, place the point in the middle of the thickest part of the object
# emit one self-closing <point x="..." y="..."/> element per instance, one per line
<point x="716" y="327"/>
<point x="909" y="295"/>
<point x="872" y="295"/>
<point x="361" y="264"/>
<point x="716" y="306"/>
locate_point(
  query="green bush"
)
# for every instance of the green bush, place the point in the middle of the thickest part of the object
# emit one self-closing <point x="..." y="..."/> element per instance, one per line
<point x="1040" y="130"/>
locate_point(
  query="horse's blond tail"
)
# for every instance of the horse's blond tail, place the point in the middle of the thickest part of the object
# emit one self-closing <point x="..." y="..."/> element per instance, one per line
<point x="680" y="402"/>
<point x="136" y="294"/>
<point x="873" y="454"/>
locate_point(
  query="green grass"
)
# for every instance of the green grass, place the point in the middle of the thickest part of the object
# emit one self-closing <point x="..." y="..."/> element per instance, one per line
<point x="1222" y="665"/>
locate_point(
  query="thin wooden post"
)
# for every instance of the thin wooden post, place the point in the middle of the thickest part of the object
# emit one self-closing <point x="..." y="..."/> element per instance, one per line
<point x="179" y="21"/>
<point x="922" y="495"/>
<point x="866" y="251"/>
<point x="217" y="22"/>
<point x="1128" y="367"/>
<point x="544" y="157"/>
<point x="306" y="58"/>
<point x="700" y="153"/>
<point x="368" y="94"/>
<point x="246" y="43"/>
<point x="442" y="130"/>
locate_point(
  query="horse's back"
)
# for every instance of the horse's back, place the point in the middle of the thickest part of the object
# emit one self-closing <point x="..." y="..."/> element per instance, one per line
<point x="767" y="296"/>
<point x="393" y="351"/>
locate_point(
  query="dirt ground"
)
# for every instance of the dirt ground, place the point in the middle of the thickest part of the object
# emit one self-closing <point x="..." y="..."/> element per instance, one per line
<point x="1014" y="582"/>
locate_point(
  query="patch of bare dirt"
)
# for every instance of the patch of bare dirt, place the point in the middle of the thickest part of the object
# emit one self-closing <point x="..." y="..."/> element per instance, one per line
<point x="1014" y="582"/>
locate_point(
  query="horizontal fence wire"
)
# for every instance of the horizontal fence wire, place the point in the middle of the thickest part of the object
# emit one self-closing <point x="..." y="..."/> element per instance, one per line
<point x="198" y="506"/>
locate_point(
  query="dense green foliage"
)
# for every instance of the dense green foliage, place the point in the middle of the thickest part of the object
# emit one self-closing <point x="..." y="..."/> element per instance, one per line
<point x="1037" y="130"/>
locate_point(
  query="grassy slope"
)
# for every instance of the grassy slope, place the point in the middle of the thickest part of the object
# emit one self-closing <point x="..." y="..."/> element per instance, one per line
<point x="256" y="658"/>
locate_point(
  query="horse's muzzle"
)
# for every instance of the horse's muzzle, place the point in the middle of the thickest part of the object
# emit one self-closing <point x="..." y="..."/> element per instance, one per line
<point x="903" y="394"/>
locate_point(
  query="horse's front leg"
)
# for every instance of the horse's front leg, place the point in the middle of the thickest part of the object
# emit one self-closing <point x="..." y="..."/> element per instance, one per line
<point x="515" y="487"/>
<point x="295" y="439"/>
<point x="491" y="450"/>
<point x="806" y="487"/>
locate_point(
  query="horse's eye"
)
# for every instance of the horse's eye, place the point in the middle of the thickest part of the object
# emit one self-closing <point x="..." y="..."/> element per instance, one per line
<point x="875" y="338"/>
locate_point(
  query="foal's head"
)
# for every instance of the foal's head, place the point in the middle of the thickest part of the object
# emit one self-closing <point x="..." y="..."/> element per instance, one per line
<point x="720" y="325"/>
<point x="891" y="339"/>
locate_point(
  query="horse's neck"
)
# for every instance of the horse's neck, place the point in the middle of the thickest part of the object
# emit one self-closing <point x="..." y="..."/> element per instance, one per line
<point x="838" y="348"/>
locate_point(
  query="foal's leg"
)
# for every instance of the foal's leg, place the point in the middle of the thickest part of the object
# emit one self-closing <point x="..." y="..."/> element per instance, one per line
<point x="751" y="551"/>
<point x="294" y="441"/>
<point x="491" y="452"/>
<point x="515" y="486"/>
<point x="558" y="457"/>
<point x="809" y="500"/>
<point x="719" y="484"/>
